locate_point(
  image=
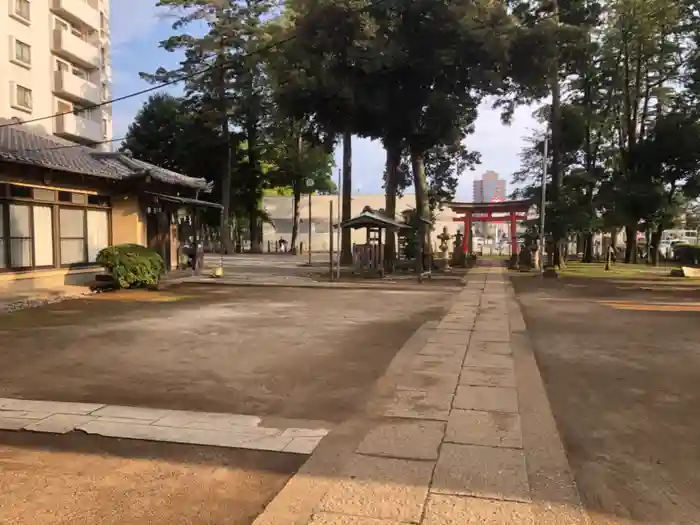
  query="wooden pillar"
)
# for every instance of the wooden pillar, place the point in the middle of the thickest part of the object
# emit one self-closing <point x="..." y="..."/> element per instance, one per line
<point x="467" y="239"/>
<point x="513" y="235"/>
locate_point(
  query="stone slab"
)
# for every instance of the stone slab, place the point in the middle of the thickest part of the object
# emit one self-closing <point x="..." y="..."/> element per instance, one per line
<point x="186" y="435"/>
<point x="9" y="423"/>
<point x="444" y="350"/>
<point x="303" y="445"/>
<point x="404" y="440"/>
<point x="228" y="426"/>
<point x="497" y="336"/>
<point x="458" y="510"/>
<point x="382" y="488"/>
<point x="22" y="414"/>
<point x="420" y="404"/>
<point x="436" y="364"/>
<point x="147" y="414"/>
<point x="428" y="381"/>
<point x="490" y="429"/>
<point x="487" y="376"/>
<point x="325" y="518"/>
<point x="483" y="359"/>
<point x="59" y="423"/>
<point x="304" y="432"/>
<point x="490" y="347"/>
<point x="53" y="407"/>
<point x="208" y="420"/>
<point x="486" y="398"/>
<point x="455" y="325"/>
<point x="483" y="325"/>
<point x="484" y="472"/>
<point x="457" y="338"/>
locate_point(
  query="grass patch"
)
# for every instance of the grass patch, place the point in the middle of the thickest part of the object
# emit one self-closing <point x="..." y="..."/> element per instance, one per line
<point x="618" y="270"/>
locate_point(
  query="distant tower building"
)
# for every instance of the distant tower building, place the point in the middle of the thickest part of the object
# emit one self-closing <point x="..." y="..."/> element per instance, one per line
<point x="489" y="188"/>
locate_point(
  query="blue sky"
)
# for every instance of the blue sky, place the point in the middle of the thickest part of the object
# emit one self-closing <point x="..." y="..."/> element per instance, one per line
<point x="137" y="27"/>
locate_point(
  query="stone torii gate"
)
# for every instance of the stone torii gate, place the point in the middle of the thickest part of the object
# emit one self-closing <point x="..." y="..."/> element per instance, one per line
<point x="496" y="212"/>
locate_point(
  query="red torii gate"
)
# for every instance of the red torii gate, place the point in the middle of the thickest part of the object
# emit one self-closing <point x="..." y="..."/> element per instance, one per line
<point x="497" y="212"/>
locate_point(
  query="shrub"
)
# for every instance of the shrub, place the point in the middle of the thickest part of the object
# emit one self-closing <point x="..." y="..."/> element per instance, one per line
<point x="132" y="265"/>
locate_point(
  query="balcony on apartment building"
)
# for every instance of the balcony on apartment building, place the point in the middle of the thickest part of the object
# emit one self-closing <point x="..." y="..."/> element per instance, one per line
<point x="71" y="87"/>
<point x="83" y="12"/>
<point x="78" y="129"/>
<point x="75" y="49"/>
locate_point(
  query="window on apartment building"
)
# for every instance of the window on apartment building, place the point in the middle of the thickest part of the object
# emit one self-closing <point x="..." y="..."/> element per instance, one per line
<point x="23" y="9"/>
<point x="80" y="73"/>
<point x="61" y="66"/>
<point x="24" y="97"/>
<point x="23" y="52"/>
<point x="83" y="112"/>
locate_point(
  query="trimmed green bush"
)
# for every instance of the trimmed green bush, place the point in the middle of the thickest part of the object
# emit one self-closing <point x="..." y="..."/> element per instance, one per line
<point x="132" y="265"/>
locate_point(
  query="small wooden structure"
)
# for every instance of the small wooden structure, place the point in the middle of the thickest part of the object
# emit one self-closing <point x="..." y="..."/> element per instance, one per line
<point x="369" y="257"/>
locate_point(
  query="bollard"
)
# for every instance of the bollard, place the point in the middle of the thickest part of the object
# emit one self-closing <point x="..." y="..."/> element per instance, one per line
<point x="269" y="248"/>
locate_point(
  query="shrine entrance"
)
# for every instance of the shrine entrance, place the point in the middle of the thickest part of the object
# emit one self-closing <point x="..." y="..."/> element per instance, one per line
<point x="495" y="212"/>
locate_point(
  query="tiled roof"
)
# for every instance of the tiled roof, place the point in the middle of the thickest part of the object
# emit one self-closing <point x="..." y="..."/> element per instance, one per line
<point x="20" y="144"/>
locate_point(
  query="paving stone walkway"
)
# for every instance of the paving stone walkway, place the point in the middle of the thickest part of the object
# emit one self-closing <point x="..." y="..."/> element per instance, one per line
<point x="450" y="447"/>
<point x="175" y="426"/>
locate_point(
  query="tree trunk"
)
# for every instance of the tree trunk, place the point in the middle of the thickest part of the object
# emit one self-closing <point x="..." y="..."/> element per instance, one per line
<point x="296" y="199"/>
<point x="346" y="234"/>
<point x="631" y="244"/>
<point x="588" y="248"/>
<point x="655" y="241"/>
<point x="422" y="207"/>
<point x="393" y="159"/>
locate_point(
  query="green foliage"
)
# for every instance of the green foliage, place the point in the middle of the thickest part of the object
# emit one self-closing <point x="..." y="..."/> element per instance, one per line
<point x="132" y="265"/>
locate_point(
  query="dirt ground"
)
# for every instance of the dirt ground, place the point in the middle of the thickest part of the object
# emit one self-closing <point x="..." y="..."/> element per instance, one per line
<point x="84" y="480"/>
<point x="281" y="352"/>
<point x="621" y="363"/>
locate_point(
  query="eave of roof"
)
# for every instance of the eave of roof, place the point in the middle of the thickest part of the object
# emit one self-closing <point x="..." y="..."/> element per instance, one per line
<point x="21" y="145"/>
<point x="368" y="219"/>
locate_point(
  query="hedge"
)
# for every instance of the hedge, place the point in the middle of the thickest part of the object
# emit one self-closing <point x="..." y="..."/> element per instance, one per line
<point x="132" y="265"/>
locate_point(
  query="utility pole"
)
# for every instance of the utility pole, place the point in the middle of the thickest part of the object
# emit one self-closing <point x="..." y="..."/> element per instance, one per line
<point x="309" y="186"/>
<point x="543" y="203"/>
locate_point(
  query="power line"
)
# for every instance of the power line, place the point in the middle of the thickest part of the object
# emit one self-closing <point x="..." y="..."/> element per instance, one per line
<point x="152" y="88"/>
<point x="183" y="78"/>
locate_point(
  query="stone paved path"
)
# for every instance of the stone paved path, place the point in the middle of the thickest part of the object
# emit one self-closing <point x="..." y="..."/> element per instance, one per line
<point x="174" y="426"/>
<point x="467" y="439"/>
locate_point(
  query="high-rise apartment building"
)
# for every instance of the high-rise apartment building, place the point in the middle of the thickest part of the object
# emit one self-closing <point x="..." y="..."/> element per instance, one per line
<point x="489" y="188"/>
<point x="54" y="58"/>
